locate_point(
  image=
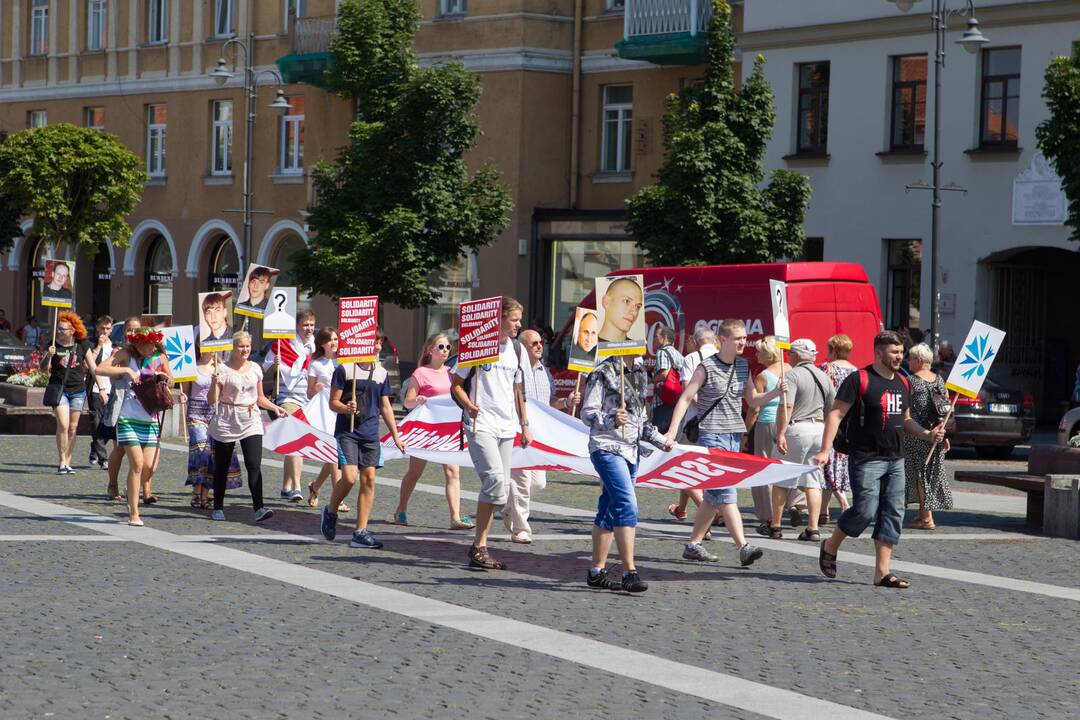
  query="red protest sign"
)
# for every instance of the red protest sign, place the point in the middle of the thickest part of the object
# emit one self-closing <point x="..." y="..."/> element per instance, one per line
<point x="478" y="331"/>
<point x="358" y="328"/>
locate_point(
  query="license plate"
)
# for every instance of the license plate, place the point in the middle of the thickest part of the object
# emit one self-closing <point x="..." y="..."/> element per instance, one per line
<point x="1004" y="408"/>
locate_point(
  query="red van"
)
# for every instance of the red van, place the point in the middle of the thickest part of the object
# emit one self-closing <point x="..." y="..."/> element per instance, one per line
<point x="824" y="298"/>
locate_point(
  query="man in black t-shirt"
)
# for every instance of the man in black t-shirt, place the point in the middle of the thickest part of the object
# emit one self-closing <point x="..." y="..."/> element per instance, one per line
<point x="875" y="436"/>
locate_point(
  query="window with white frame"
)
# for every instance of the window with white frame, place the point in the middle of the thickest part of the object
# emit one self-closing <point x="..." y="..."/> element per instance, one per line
<point x="223" y="18"/>
<point x="614" y="4"/>
<point x="36" y="119"/>
<point x="155" y="140"/>
<point x="94" y="117"/>
<point x="294" y="7"/>
<point x="95" y="24"/>
<point x="157" y="21"/>
<point x="221" y="138"/>
<point x="292" y="138"/>
<point x="39" y="27"/>
<point x="618" y="116"/>
<point x="453" y="7"/>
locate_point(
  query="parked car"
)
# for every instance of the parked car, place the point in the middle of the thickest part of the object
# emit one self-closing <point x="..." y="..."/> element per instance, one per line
<point x="995" y="422"/>
<point x="14" y="353"/>
<point x="1069" y="427"/>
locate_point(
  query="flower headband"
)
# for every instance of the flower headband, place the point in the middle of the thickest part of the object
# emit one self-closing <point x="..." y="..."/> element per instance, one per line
<point x="144" y="336"/>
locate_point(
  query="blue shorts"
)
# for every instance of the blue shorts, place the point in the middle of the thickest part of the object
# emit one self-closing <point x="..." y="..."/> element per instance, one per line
<point x="722" y="441"/>
<point x="73" y="401"/>
<point x="618" y="500"/>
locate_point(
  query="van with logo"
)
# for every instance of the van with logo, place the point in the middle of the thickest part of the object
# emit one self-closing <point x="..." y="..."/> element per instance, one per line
<point x="824" y="298"/>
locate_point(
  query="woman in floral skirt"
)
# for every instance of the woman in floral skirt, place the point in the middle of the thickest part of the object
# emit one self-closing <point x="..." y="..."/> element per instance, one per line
<point x="836" y="472"/>
<point x="200" y="444"/>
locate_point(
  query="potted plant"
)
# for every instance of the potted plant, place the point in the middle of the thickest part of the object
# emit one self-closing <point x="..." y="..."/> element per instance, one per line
<point x="25" y="387"/>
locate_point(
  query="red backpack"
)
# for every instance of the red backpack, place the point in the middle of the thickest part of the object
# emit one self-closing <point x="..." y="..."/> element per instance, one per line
<point x="671" y="388"/>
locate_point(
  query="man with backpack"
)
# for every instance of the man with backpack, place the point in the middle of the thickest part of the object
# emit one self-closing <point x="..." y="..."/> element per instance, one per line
<point x="492" y="399"/>
<point x="868" y="420"/>
<point x="667" y="379"/>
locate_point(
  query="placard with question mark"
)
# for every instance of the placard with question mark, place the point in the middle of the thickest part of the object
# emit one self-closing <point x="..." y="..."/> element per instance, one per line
<point x="280" y="321"/>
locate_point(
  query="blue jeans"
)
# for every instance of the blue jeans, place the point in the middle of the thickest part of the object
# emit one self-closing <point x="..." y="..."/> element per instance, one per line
<point x="877" y="489"/>
<point x="618" y="500"/>
<point x="723" y="441"/>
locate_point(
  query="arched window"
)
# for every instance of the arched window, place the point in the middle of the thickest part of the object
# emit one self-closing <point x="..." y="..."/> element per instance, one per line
<point x="224" y="265"/>
<point x="102" y="282"/>
<point x="159" y="278"/>
<point x="282" y="259"/>
<point x="39" y="252"/>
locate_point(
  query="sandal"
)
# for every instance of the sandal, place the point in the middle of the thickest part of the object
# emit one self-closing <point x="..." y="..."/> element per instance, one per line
<point x="767" y="529"/>
<point x="465" y="523"/>
<point x="809" y="535"/>
<point x="400" y="519"/>
<point x="823" y="520"/>
<point x="673" y="511"/>
<point x="196" y="502"/>
<point x="343" y="508"/>
<point x="150" y="500"/>
<point x="479" y="558"/>
<point x="827" y="562"/>
<point x="891" y="581"/>
<point x="313" y="496"/>
<point x="918" y="524"/>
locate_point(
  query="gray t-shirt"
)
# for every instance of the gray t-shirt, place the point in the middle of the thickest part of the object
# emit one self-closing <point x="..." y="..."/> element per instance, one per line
<point x="726" y="383"/>
<point x="809" y="400"/>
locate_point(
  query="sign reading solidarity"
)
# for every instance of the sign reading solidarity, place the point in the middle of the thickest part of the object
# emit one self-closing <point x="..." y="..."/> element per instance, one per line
<point x="976" y="356"/>
<point x="781" y="326"/>
<point x="358" y="329"/>
<point x="478" y="331"/>
<point x="280" y="320"/>
<point x="179" y="342"/>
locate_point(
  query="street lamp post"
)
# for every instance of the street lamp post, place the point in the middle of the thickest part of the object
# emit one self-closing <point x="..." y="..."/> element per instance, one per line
<point x="222" y="73"/>
<point x="972" y="40"/>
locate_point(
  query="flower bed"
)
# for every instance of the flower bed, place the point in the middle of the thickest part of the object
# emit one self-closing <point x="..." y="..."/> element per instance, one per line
<point x="21" y="395"/>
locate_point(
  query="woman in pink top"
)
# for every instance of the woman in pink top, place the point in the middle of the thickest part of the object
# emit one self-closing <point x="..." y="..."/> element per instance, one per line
<point x="431" y="379"/>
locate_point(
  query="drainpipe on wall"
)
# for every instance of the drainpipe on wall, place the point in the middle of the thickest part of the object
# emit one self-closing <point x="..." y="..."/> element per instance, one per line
<point x="575" y="107"/>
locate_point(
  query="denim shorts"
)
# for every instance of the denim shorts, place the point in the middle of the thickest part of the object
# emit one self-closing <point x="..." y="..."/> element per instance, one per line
<point x="877" y="496"/>
<point x="73" y="401"/>
<point x="618" y="500"/>
<point x="722" y="441"/>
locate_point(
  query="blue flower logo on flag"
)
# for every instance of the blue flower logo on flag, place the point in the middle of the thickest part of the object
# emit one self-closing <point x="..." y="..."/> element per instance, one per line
<point x="978" y="353"/>
<point x="180" y="349"/>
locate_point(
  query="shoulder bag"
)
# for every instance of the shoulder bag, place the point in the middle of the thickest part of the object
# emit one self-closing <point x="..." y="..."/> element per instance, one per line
<point x="154" y="393"/>
<point x="692" y="429"/>
<point x="54" y="391"/>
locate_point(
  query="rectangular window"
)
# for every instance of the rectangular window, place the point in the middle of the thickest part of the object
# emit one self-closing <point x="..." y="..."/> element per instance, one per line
<point x="297" y="8"/>
<point x="614" y="4"/>
<point x="223" y="18"/>
<point x="903" y="275"/>
<point x="908" y="102"/>
<point x="453" y="7"/>
<point x="39" y="27"/>
<point x="36" y="119"/>
<point x="576" y="262"/>
<point x="813" y="120"/>
<point x="95" y="24"/>
<point x="618" y="120"/>
<point x="1000" y="108"/>
<point x="292" y="138"/>
<point x="155" y="140"/>
<point x="221" y="138"/>
<point x="157" y="21"/>
<point x="94" y="117"/>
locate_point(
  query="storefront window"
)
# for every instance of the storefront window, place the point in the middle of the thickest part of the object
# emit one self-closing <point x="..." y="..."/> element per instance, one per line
<point x="159" y="278"/>
<point x="577" y="263"/>
<point x="224" y="265"/>
<point x="282" y="259"/>
<point x="455" y="282"/>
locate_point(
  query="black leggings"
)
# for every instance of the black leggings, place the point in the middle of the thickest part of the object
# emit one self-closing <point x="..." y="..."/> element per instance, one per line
<point x="252" y="448"/>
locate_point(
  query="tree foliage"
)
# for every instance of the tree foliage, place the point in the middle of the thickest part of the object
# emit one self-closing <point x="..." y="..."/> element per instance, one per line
<point x="1059" y="135"/>
<point x="10" y="214"/>
<point x="708" y="206"/>
<point x="79" y="184"/>
<point x="398" y="202"/>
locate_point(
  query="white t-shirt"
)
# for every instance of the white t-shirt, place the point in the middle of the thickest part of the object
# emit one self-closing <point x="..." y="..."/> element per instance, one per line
<point x="493" y="391"/>
<point x="322" y="370"/>
<point x="692" y="360"/>
<point x="102" y="383"/>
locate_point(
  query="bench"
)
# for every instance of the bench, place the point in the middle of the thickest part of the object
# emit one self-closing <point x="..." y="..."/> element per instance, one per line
<point x="17" y="420"/>
<point x="1033" y="485"/>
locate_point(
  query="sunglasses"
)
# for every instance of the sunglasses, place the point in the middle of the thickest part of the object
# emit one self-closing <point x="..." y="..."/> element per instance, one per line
<point x="442" y="346"/>
<point x="537" y="342"/>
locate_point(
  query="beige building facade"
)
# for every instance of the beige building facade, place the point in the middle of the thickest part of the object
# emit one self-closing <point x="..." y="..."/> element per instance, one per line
<point x="571" y="114"/>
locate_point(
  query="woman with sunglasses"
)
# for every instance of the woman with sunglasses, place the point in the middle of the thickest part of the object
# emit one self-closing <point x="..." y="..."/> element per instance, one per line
<point x="431" y="379"/>
<point x="69" y="361"/>
<point x="320" y="373"/>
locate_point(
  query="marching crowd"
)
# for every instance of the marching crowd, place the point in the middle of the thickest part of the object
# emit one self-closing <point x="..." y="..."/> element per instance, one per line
<point x="875" y="432"/>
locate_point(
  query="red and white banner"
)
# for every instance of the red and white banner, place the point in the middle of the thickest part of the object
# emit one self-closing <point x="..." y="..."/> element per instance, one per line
<point x="560" y="442"/>
<point x="292" y="436"/>
<point x="478" y="332"/>
<point x="358" y="329"/>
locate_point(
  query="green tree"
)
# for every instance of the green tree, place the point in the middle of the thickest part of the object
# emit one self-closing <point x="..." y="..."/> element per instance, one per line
<point x="10" y="214"/>
<point x="79" y="184"/>
<point x="708" y="206"/>
<point x="1059" y="135"/>
<point x="398" y="202"/>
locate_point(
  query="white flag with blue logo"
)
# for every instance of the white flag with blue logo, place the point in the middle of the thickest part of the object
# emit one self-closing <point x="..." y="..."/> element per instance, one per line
<point x="179" y="342"/>
<point x="974" y="358"/>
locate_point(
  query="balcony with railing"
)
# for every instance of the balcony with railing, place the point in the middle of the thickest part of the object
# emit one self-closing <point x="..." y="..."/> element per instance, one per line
<point x="309" y="43"/>
<point x="665" y="32"/>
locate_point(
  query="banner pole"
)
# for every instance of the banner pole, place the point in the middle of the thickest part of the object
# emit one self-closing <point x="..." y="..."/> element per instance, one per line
<point x="352" y="416"/>
<point x="783" y="396"/>
<point x="183" y="415"/>
<point x="55" y="318"/>
<point x="948" y="416"/>
<point x="622" y="389"/>
<point x="277" y="371"/>
<point x="577" y="389"/>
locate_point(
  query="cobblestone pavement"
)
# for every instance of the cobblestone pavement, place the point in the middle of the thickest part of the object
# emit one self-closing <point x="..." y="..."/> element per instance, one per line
<point x="100" y="626"/>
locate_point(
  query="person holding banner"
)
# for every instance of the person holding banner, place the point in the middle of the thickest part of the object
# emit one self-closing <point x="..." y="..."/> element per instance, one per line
<point x="98" y="389"/>
<point x="924" y="464"/>
<point x="70" y="362"/>
<point x="874" y="436"/>
<point x="762" y="423"/>
<point x="616" y="413"/>
<point x="112" y="412"/>
<point x="722" y="383"/>
<point x="201" y="447"/>
<point x="320" y="373"/>
<point x="359" y="392"/>
<point x="236" y="391"/>
<point x="704" y="343"/>
<point x="291" y="358"/>
<point x="493" y="408"/>
<point x="431" y="379"/>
